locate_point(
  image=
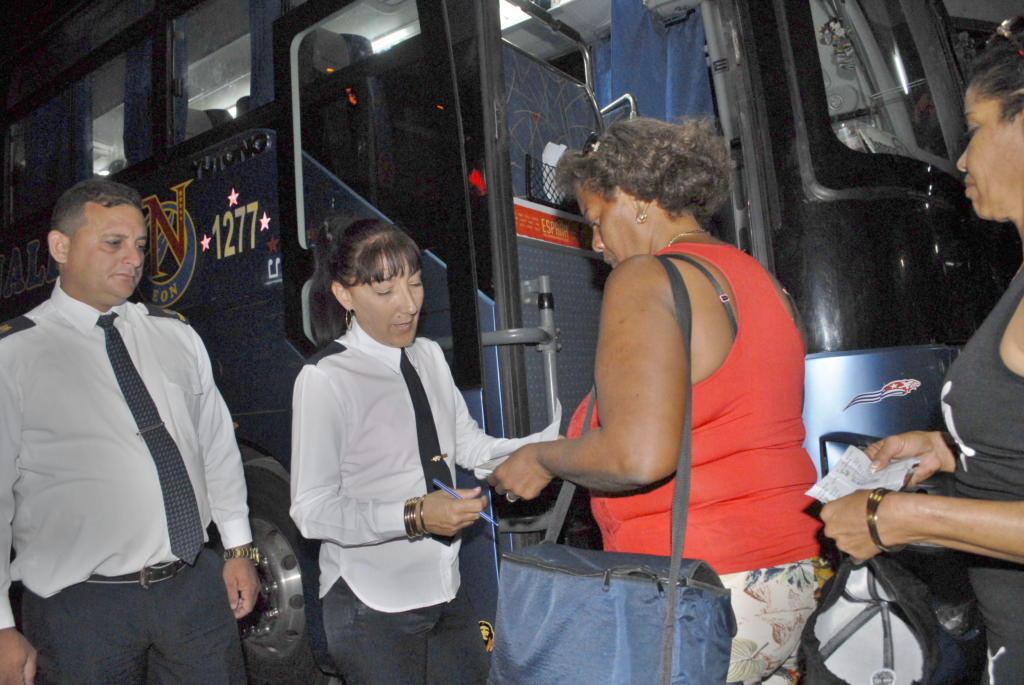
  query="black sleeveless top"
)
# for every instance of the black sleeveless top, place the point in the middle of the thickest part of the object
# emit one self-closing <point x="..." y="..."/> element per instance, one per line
<point x="983" y="405"/>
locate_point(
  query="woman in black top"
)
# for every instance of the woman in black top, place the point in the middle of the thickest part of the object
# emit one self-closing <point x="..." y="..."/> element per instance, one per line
<point x="982" y="396"/>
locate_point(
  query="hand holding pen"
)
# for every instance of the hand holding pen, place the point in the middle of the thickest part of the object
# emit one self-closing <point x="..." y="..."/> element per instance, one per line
<point x="483" y="515"/>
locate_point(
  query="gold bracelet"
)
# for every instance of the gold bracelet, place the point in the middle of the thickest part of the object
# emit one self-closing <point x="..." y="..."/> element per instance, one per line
<point x="408" y="517"/>
<point x="874" y="500"/>
<point x="419" y="515"/>
<point x="412" y="516"/>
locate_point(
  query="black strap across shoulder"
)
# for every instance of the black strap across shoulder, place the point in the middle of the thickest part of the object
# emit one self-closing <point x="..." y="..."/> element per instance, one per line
<point x="723" y="296"/>
<point x="681" y="496"/>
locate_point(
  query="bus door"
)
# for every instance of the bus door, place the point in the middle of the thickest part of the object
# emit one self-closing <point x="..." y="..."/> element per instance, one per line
<point x="378" y="127"/>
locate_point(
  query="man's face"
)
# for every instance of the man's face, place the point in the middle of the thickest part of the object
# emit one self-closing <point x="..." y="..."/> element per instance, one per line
<point x="101" y="263"/>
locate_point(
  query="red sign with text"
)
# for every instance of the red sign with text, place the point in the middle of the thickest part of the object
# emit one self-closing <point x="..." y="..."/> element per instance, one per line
<point x="552" y="225"/>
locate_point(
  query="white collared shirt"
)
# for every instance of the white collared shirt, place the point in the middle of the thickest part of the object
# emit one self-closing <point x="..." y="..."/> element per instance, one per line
<point x="76" y="479"/>
<point x="355" y="461"/>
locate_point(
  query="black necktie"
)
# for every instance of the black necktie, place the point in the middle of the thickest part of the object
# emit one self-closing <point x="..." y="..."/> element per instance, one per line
<point x="183" y="523"/>
<point x="426" y="432"/>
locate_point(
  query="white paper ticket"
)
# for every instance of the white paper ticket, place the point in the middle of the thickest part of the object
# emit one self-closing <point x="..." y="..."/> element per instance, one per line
<point x="853" y="472"/>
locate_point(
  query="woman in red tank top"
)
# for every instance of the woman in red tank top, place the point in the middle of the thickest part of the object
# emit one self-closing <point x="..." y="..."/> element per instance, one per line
<point x="647" y="187"/>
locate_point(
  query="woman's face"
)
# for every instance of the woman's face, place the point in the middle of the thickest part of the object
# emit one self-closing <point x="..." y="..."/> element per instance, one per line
<point x="617" y="235"/>
<point x="387" y="310"/>
<point x="993" y="161"/>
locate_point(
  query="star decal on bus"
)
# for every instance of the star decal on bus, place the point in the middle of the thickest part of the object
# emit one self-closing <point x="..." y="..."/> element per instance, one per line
<point x="233" y="198"/>
<point x="205" y="242"/>
<point x="264" y="221"/>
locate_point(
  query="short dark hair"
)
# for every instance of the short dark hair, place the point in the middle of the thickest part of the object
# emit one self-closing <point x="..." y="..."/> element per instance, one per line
<point x="354" y="253"/>
<point x="69" y="212"/>
<point x="684" y="167"/>
<point x="997" y="73"/>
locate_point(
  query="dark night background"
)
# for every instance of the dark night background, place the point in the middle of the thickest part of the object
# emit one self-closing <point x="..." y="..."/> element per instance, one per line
<point x="20" y="21"/>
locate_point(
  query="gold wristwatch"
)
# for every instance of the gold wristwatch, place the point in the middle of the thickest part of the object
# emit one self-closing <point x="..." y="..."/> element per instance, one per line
<point x="250" y="552"/>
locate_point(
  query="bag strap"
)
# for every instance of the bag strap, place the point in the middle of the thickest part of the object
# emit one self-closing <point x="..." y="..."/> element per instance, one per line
<point x="723" y="297"/>
<point x="568" y="489"/>
<point x="681" y="496"/>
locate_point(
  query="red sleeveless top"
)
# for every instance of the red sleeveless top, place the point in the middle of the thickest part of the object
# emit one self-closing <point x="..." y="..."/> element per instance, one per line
<point x="749" y="467"/>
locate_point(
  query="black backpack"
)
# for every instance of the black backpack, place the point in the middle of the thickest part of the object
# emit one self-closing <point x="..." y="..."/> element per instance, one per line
<point x="874" y="623"/>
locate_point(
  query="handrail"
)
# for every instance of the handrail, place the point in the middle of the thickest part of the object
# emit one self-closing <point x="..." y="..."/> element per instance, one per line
<point x="544" y="336"/>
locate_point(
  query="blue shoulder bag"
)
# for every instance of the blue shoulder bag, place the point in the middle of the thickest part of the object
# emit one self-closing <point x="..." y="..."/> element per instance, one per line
<point x="568" y="615"/>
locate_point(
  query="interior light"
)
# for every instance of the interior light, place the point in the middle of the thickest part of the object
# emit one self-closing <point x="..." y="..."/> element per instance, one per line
<point x="511" y="15"/>
<point x="397" y="36"/>
<point x="901" y="71"/>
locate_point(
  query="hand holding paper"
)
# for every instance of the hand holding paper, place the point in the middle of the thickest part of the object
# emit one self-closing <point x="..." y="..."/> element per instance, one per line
<point x="853" y="472"/>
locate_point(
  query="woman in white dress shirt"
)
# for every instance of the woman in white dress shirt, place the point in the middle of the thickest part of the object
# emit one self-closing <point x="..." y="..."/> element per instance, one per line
<point x="393" y="608"/>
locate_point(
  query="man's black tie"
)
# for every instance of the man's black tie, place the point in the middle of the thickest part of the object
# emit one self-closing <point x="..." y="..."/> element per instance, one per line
<point x="434" y="465"/>
<point x="183" y="523"/>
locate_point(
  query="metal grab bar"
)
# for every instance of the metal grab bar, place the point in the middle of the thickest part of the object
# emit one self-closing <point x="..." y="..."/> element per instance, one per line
<point x="544" y="336"/>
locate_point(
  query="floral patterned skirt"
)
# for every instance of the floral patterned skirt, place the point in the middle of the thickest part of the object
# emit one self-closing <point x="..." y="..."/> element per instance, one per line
<point x="771" y="606"/>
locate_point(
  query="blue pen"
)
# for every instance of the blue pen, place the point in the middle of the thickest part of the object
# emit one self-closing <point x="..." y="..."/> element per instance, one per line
<point x="456" y="495"/>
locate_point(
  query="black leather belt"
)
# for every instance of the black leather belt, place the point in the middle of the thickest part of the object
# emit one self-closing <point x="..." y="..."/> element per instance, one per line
<point x="145" y="577"/>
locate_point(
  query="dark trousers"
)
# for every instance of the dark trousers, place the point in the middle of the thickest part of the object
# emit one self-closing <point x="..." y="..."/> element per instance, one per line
<point x="428" y="646"/>
<point x="999" y="586"/>
<point x="179" y="630"/>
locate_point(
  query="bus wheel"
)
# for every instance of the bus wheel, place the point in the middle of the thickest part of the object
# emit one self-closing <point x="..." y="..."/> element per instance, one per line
<point x="274" y="636"/>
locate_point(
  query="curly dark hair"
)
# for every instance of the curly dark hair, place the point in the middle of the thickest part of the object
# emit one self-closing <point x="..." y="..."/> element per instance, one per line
<point x="997" y="73"/>
<point x="684" y="167"/>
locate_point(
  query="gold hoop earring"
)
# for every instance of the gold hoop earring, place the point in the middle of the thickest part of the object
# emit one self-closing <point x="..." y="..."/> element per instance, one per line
<point x="641" y="214"/>
<point x="349" y="314"/>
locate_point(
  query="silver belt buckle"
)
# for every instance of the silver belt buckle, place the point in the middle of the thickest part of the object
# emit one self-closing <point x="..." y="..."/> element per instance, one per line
<point x="144" y="578"/>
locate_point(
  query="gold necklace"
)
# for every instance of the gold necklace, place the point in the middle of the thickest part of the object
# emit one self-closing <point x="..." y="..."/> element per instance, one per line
<point x="678" y="236"/>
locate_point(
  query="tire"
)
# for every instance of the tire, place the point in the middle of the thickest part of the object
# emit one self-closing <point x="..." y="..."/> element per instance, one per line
<point x="275" y="640"/>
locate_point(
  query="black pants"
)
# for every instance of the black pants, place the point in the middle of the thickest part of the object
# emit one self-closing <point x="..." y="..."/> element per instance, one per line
<point x="180" y="629"/>
<point x="428" y="646"/>
<point x="999" y="586"/>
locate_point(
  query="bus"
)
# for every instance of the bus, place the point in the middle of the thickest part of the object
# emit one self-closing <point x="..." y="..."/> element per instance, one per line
<point x="244" y="123"/>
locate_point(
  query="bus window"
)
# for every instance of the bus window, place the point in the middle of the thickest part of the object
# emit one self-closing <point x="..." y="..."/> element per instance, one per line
<point x="93" y="24"/>
<point x="40" y="158"/>
<point x="82" y="132"/>
<point x="879" y="96"/>
<point x="383" y="26"/>
<point x="212" y="66"/>
<point x="353" y="34"/>
<point x="121" y="119"/>
<point x="374" y="127"/>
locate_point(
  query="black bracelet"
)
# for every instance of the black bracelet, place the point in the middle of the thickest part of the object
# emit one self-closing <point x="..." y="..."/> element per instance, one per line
<point x="874" y="500"/>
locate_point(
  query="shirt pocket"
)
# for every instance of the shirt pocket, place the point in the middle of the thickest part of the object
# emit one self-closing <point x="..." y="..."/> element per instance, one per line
<point x="183" y="386"/>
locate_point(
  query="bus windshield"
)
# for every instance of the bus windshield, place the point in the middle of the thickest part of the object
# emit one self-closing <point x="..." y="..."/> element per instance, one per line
<point x="881" y="95"/>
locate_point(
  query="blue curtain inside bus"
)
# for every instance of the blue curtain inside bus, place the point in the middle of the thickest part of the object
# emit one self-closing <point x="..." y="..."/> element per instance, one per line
<point x="42" y="176"/>
<point x="180" y="70"/>
<point x="137" y="116"/>
<point x="79" y="155"/>
<point x="662" y="67"/>
<point x="262" y="14"/>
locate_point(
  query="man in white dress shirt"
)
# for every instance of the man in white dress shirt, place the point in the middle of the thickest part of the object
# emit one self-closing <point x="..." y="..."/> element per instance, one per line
<point x="81" y="501"/>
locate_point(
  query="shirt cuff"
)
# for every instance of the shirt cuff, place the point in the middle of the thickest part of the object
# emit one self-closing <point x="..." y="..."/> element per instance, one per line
<point x="234" y="533"/>
<point x="391" y="519"/>
<point x="505" y="448"/>
<point x="6" y="615"/>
